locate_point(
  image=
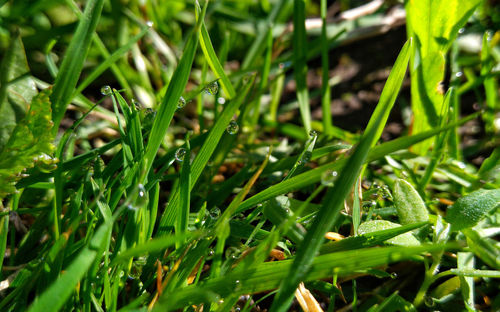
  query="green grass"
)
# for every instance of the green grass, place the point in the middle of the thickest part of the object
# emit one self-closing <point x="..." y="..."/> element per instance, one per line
<point x="162" y="165"/>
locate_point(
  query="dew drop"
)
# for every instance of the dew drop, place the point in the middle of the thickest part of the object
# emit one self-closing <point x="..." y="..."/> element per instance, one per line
<point x="328" y="177"/>
<point x="221" y="100"/>
<point x="233" y="127"/>
<point x="461" y="165"/>
<point x="212" y="88"/>
<point x="461" y="30"/>
<point x="429" y="301"/>
<point x="142" y="190"/>
<point x="459" y="74"/>
<point x="149" y="24"/>
<point x="214" y="212"/>
<point x="211" y="252"/>
<point x="181" y="103"/>
<point x="131" y="207"/>
<point x="394" y="275"/>
<point x="313" y="133"/>
<point x="305" y="158"/>
<point x="137" y="105"/>
<point x="106" y="90"/>
<point x="179" y="154"/>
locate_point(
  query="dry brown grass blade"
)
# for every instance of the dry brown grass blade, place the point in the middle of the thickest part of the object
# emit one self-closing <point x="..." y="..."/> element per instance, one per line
<point x="307" y="300"/>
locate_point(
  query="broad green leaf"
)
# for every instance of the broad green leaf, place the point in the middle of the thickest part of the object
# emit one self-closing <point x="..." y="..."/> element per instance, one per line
<point x="72" y="64"/>
<point x="433" y="24"/>
<point x="406" y="239"/>
<point x="468" y="210"/>
<point x="410" y="206"/>
<point x="17" y="88"/>
<point x="31" y="140"/>
<point x="334" y="200"/>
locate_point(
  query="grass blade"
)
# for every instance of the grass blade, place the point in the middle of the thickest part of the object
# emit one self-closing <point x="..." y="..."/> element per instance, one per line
<point x="110" y="61"/>
<point x="300" y="61"/>
<point x="206" y="151"/>
<point x="268" y="275"/>
<point x="335" y="198"/>
<point x="325" y="88"/>
<point x="72" y="65"/>
<point x="213" y="61"/>
<point x="168" y="105"/>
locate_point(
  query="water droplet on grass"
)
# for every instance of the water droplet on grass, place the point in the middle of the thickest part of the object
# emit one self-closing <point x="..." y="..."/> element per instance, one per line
<point x="313" y="133"/>
<point x="214" y="212"/>
<point x="181" y="103"/>
<point x="461" y="30"/>
<point x="459" y="74"/>
<point x="179" y="154"/>
<point x="142" y="190"/>
<point x="233" y="127"/>
<point x="328" y="177"/>
<point x="212" y="88"/>
<point x="149" y="24"/>
<point x="221" y="100"/>
<point x="106" y="90"/>
<point x="305" y="158"/>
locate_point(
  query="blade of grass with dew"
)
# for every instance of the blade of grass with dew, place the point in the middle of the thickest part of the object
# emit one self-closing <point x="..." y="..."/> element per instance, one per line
<point x="335" y="197"/>
<point x="300" y="61"/>
<point x="74" y="58"/>
<point x="368" y="239"/>
<point x="325" y="88"/>
<point x="314" y="175"/>
<point x="206" y="151"/>
<point x="268" y="275"/>
<point x="168" y="105"/>
<point x="154" y="245"/>
<point x="213" y="61"/>
<point x="184" y="191"/>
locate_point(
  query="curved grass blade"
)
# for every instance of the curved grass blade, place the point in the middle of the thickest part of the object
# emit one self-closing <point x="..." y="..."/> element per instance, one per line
<point x="334" y="199"/>
<point x="213" y="61"/>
